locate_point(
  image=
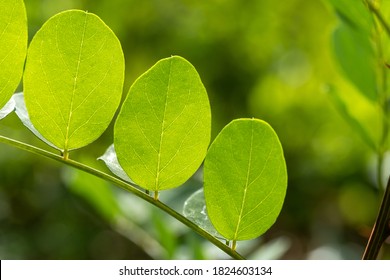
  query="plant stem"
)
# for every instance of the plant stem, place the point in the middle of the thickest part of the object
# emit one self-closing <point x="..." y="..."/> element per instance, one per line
<point x="126" y="186"/>
<point x="379" y="16"/>
<point x="381" y="229"/>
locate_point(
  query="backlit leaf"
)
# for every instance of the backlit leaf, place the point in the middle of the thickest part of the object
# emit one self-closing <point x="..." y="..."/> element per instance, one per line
<point x="73" y="79"/>
<point x="163" y="129"/>
<point x="110" y="159"/>
<point x="13" y="46"/>
<point x="8" y="108"/>
<point x="245" y="179"/>
<point x="21" y="112"/>
<point x="194" y="209"/>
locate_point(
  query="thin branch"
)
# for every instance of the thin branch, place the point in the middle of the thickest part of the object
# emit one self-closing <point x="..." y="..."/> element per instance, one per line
<point x="379" y="16"/>
<point x="126" y="186"/>
<point x="380" y="231"/>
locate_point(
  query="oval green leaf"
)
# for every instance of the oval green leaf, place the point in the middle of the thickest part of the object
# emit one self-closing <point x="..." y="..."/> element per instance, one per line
<point x="245" y="179"/>
<point x="73" y="79"/>
<point x="13" y="47"/>
<point x="163" y="129"/>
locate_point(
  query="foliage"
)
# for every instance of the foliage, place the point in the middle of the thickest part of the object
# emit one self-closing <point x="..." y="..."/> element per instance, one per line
<point x="13" y="41"/>
<point x="258" y="58"/>
<point x="72" y="86"/>
<point x="251" y="179"/>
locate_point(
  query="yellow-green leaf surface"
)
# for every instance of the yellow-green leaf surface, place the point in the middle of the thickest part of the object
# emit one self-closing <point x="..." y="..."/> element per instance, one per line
<point x="73" y="79"/>
<point x="13" y="46"/>
<point x="163" y="129"/>
<point x="245" y="179"/>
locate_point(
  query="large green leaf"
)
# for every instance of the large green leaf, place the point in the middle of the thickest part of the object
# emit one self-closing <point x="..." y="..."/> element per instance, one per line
<point x="73" y="79"/>
<point x="163" y="129"/>
<point x="245" y="179"/>
<point x="355" y="54"/>
<point x="13" y="46"/>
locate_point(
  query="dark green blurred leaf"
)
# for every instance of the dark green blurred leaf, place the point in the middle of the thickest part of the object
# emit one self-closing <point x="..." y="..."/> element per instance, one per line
<point x="353" y="13"/>
<point x="95" y="191"/>
<point x="342" y="108"/>
<point x="354" y="52"/>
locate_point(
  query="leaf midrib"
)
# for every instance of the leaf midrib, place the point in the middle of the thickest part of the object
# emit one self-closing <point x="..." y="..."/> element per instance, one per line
<point x="156" y="187"/>
<point x="246" y="187"/>
<point x="75" y="85"/>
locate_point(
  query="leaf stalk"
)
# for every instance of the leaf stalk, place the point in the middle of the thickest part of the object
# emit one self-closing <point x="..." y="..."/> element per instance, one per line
<point x="125" y="186"/>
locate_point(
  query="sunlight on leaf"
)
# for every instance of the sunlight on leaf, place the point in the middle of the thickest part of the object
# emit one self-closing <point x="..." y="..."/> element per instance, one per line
<point x="8" y="108"/>
<point x="73" y="79"/>
<point x="194" y="209"/>
<point x="245" y="179"/>
<point x="163" y="129"/>
<point x="21" y="112"/>
<point x="13" y="42"/>
<point x="110" y="159"/>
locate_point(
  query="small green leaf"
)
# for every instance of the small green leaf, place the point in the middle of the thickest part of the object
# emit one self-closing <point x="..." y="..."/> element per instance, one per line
<point x="110" y="159"/>
<point x="355" y="54"/>
<point x="13" y="46"/>
<point x="245" y="179"/>
<point x="194" y="209"/>
<point x="98" y="193"/>
<point x="73" y="79"/>
<point x="8" y="108"/>
<point x="163" y="129"/>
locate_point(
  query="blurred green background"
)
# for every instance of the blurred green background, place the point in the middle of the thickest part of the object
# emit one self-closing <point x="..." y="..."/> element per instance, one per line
<point x="266" y="59"/>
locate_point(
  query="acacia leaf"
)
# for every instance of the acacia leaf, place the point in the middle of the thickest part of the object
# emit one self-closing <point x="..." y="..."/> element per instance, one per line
<point x="13" y="47"/>
<point x="245" y="179"/>
<point x="73" y="79"/>
<point x="21" y="112"/>
<point x="110" y="159"/>
<point x="163" y="129"/>
<point x="194" y="209"/>
<point x="8" y="108"/>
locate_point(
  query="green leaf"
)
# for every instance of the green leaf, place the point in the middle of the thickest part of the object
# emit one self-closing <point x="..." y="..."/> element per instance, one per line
<point x="342" y="108"/>
<point x="8" y="108"/>
<point x="353" y="13"/>
<point x="13" y="46"/>
<point x="73" y="79"/>
<point x="245" y="179"/>
<point x="194" y="209"/>
<point x="111" y="160"/>
<point x="21" y="112"/>
<point x="98" y="193"/>
<point x="163" y="129"/>
<point x="355" y="54"/>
